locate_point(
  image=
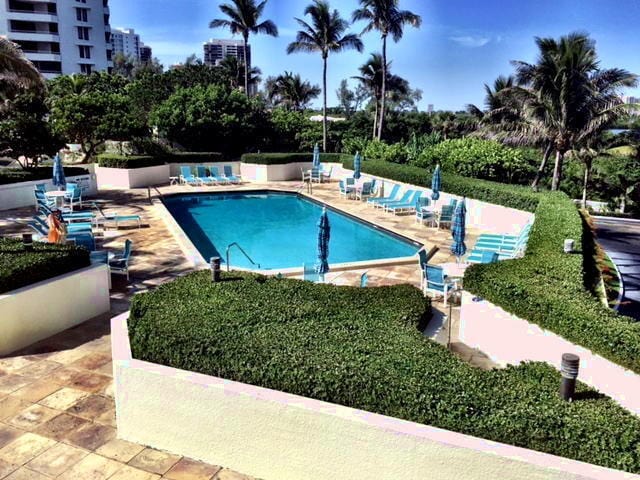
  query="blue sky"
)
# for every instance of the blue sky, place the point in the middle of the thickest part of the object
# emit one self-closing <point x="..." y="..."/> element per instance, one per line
<point x="461" y="45"/>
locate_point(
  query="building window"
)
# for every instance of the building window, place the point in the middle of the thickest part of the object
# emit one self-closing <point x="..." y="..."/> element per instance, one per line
<point x="85" y="51"/>
<point x="109" y="55"/>
<point x="81" y="1"/>
<point x="83" y="33"/>
<point x="86" y="68"/>
<point x="82" y="14"/>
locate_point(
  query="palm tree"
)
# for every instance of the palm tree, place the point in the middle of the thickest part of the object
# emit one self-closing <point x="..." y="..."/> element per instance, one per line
<point x="291" y="91"/>
<point x="496" y="98"/>
<point x="16" y="71"/>
<point x="567" y="99"/>
<point x="325" y="35"/>
<point x="235" y="72"/>
<point x="385" y="17"/>
<point x="370" y="77"/>
<point x="244" y="19"/>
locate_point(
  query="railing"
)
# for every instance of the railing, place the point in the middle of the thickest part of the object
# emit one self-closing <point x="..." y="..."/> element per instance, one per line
<point x="235" y="244"/>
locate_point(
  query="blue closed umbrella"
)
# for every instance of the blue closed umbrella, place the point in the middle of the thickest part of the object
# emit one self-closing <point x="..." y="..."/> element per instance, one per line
<point x="58" y="173"/>
<point x="435" y="184"/>
<point x="357" y="165"/>
<point x="324" y="234"/>
<point x="458" y="230"/>
<point x="316" y="157"/>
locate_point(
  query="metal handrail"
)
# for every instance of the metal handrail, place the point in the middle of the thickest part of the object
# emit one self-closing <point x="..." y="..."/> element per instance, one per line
<point x="235" y="244"/>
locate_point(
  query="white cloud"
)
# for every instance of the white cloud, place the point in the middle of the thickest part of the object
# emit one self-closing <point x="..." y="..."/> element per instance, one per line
<point x="471" y="41"/>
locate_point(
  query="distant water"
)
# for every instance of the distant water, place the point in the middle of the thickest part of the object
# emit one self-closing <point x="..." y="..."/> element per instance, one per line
<point x="618" y="131"/>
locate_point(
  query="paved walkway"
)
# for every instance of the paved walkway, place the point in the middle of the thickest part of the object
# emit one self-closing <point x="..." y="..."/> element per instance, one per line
<point x="57" y="415"/>
<point x="620" y="238"/>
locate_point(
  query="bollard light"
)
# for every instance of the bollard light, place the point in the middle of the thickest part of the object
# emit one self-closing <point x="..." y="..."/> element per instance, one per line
<point x="27" y="241"/>
<point x="569" y="371"/>
<point x="215" y="269"/>
<point x="569" y="245"/>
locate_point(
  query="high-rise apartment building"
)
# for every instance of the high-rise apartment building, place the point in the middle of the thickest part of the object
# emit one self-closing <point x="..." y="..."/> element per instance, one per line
<point x="60" y="36"/>
<point x="146" y="53"/>
<point x="217" y="50"/>
<point x="126" y="41"/>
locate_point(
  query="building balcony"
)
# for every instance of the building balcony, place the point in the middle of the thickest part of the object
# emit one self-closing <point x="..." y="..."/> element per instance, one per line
<point x="107" y="11"/>
<point x="39" y="36"/>
<point x="31" y="16"/>
<point x="43" y="56"/>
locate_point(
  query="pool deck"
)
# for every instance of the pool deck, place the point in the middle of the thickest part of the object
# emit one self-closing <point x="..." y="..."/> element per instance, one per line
<point x="56" y="397"/>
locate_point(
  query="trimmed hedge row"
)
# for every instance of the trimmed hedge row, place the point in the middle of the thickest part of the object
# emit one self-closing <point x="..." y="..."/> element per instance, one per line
<point x="19" y="268"/>
<point x="142" y="161"/>
<point x="546" y="287"/>
<point x="284" y="158"/>
<point x="513" y="196"/>
<point x="17" y="175"/>
<point x="362" y="348"/>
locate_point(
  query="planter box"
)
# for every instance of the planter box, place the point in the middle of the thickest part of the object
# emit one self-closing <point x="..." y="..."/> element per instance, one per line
<point x="43" y="309"/>
<point x="19" y="195"/>
<point x="132" y="178"/>
<point x="521" y="341"/>
<point x="279" y="436"/>
<point x="273" y="173"/>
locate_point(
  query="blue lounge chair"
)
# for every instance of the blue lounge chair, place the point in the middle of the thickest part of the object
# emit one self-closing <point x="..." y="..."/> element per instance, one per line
<point x="85" y="240"/>
<point x="120" y="263"/>
<point x="79" y="227"/>
<point x="390" y="198"/>
<point x="115" y="218"/>
<point x="405" y="204"/>
<point x="201" y="174"/>
<point x="186" y="177"/>
<point x="435" y="281"/>
<point x="446" y="216"/>
<point x="506" y="238"/>
<point x="403" y="199"/>
<point x="482" y="256"/>
<point x="228" y="174"/>
<point x="215" y="174"/>
<point x="45" y="210"/>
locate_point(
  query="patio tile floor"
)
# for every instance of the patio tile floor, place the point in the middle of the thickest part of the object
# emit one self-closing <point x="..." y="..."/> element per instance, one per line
<point x="57" y="417"/>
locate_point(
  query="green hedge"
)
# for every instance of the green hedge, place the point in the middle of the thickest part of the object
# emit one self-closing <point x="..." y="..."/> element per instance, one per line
<point x="362" y="348"/>
<point x="19" y="268"/>
<point x="17" y="175"/>
<point x="108" y="160"/>
<point x="546" y="287"/>
<point x="284" y="158"/>
<point x="193" y="157"/>
<point x="512" y="196"/>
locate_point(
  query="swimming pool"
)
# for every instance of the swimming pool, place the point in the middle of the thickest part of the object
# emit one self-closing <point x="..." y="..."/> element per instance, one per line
<point x="278" y="230"/>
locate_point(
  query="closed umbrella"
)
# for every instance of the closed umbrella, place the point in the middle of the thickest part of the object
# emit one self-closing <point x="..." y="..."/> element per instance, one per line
<point x="316" y="157"/>
<point x="324" y="234"/>
<point x="357" y="165"/>
<point x="435" y="183"/>
<point x="458" y="230"/>
<point x="58" y="173"/>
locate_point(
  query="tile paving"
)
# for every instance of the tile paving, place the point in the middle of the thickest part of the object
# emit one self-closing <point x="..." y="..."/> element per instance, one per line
<point x="57" y="414"/>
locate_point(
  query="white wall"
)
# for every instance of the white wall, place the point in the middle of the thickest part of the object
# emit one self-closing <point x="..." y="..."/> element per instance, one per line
<point x="132" y="178"/>
<point x="273" y="173"/>
<point x="18" y="195"/>
<point x="279" y="436"/>
<point x="43" y="309"/>
<point x="507" y="339"/>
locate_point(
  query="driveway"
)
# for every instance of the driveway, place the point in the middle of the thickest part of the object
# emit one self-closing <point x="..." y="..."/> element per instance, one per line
<point x="620" y="238"/>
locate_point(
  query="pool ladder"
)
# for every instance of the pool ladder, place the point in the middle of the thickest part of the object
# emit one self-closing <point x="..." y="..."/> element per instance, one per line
<point x="235" y="244"/>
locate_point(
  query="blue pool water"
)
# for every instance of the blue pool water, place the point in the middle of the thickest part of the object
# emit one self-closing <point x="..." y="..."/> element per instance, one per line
<point x="277" y="230"/>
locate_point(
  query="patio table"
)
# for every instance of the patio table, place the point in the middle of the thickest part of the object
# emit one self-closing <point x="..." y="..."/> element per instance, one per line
<point x="454" y="270"/>
<point x="58" y="195"/>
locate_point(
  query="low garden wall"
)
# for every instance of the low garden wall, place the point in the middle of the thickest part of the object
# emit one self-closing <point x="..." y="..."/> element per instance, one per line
<point x="132" y="177"/>
<point x="248" y="428"/>
<point x="509" y="340"/>
<point x="19" y="195"/>
<point x="273" y="173"/>
<point x="40" y="310"/>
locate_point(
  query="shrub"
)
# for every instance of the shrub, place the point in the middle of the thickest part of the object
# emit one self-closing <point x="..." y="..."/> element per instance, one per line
<point x="362" y="348"/>
<point x="193" y="157"/>
<point x="501" y="194"/>
<point x="17" y="175"/>
<point x="284" y="158"/>
<point x="19" y="268"/>
<point x="124" y="161"/>
<point x="377" y="150"/>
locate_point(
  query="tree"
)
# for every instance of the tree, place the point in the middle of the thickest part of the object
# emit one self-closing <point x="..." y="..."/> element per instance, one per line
<point x="566" y="98"/>
<point x="25" y="133"/>
<point x="192" y="60"/>
<point x="346" y="97"/>
<point x="325" y="35"/>
<point x="291" y="92"/>
<point x="234" y="71"/>
<point x="496" y="100"/>
<point x="244" y="19"/>
<point x="16" y="71"/>
<point x="124" y="65"/>
<point x="90" y="110"/>
<point x="385" y="17"/>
